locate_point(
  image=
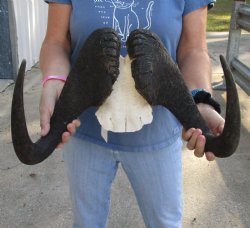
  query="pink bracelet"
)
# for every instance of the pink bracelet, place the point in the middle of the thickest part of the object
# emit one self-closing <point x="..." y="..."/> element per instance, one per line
<point x="53" y="77"/>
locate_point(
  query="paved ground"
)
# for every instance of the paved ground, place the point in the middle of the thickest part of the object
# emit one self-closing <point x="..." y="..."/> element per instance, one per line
<point x="216" y="194"/>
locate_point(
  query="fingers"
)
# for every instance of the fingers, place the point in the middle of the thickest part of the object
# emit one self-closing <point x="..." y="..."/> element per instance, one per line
<point x="219" y="129"/>
<point x="186" y="134"/>
<point x="47" y="105"/>
<point x="77" y="122"/>
<point x="45" y="127"/>
<point x="210" y="156"/>
<point x="196" y="141"/>
<point x="45" y="115"/>
<point x="71" y="127"/>
<point x="199" y="146"/>
<point x="191" y="144"/>
<point x="65" y="138"/>
<point x="213" y="119"/>
<point x="199" y="149"/>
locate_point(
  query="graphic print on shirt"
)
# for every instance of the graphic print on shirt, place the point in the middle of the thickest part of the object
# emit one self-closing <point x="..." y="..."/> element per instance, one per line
<point x="125" y="15"/>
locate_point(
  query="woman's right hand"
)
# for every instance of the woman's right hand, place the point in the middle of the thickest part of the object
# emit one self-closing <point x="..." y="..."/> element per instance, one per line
<point x="50" y="94"/>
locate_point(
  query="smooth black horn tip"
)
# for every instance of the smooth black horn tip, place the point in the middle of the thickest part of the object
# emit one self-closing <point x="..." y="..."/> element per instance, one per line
<point x="222" y="58"/>
<point x="223" y="61"/>
<point x="22" y="67"/>
<point x="23" y="63"/>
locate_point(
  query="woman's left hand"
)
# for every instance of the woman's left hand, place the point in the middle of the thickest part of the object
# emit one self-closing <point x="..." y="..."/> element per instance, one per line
<point x="195" y="140"/>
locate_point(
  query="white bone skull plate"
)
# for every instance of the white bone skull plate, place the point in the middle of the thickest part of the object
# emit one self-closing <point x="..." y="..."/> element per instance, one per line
<point x="125" y="110"/>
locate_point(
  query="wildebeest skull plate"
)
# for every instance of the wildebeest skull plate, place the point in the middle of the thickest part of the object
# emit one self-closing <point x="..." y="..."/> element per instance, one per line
<point x="125" y="110"/>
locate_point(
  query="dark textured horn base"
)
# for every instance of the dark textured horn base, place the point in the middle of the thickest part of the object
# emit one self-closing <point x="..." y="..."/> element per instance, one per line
<point x="160" y="82"/>
<point x="89" y="83"/>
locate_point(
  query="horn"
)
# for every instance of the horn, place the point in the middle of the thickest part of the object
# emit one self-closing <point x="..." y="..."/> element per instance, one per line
<point x="159" y="80"/>
<point x="226" y="144"/>
<point x="88" y="84"/>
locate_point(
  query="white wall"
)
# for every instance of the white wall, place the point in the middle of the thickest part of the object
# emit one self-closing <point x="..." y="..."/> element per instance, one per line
<point x="31" y="23"/>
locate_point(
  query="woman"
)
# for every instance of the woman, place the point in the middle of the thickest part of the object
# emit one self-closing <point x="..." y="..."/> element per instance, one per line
<point x="151" y="157"/>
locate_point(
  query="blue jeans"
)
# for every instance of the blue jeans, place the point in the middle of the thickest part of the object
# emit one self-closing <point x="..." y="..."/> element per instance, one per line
<point x="156" y="178"/>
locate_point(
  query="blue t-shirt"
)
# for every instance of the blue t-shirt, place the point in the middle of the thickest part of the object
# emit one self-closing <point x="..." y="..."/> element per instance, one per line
<point x="164" y="17"/>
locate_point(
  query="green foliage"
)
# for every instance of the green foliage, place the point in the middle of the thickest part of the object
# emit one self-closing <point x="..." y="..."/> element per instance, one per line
<point x="219" y="16"/>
